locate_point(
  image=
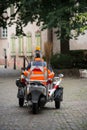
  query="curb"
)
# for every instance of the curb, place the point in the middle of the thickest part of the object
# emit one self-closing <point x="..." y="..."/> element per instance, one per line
<point x="7" y="72"/>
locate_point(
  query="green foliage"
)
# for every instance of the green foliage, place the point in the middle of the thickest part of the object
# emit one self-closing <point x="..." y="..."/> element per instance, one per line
<point x="4" y="5"/>
<point x="74" y="59"/>
<point x="79" y="58"/>
<point x="61" y="61"/>
<point x="66" y="14"/>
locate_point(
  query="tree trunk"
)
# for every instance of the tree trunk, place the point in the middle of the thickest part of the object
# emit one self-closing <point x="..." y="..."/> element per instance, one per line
<point x="64" y="46"/>
<point x="64" y="42"/>
<point x="50" y="35"/>
<point x="65" y="30"/>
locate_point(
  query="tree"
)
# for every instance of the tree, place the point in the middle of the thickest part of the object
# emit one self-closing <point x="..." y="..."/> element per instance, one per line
<point x="3" y="11"/>
<point x="64" y="15"/>
<point x="3" y="6"/>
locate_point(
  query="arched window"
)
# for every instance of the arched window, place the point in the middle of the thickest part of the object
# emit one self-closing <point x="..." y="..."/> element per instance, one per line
<point x="38" y="38"/>
<point x="20" y="40"/>
<point x="29" y="44"/>
<point x="13" y="46"/>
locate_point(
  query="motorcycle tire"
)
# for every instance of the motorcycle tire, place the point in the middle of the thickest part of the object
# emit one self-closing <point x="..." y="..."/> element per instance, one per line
<point x="57" y="104"/>
<point x="21" y="102"/>
<point x="35" y="108"/>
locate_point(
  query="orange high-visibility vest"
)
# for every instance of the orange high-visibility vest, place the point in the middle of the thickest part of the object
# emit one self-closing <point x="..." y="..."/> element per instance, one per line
<point x="39" y="74"/>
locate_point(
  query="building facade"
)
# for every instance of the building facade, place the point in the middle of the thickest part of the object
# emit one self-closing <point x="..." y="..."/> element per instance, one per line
<point x="14" y="49"/>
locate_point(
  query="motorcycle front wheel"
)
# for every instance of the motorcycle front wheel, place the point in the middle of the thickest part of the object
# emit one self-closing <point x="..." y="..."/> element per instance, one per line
<point x="35" y="108"/>
<point x="21" y="102"/>
<point x="57" y="104"/>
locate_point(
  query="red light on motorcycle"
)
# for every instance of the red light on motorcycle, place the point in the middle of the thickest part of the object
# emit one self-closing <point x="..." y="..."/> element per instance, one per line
<point x="55" y="86"/>
<point x="23" y="80"/>
<point x="49" y="81"/>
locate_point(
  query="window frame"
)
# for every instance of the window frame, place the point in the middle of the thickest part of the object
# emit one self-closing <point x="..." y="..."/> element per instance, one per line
<point x="21" y="45"/>
<point x="4" y="32"/>
<point x="29" y="44"/>
<point x="13" y="45"/>
<point x="38" y="38"/>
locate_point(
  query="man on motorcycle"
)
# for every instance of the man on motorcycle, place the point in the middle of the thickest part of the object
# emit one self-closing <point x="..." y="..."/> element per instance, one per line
<point x="40" y="89"/>
<point x="37" y="57"/>
<point x="37" y="69"/>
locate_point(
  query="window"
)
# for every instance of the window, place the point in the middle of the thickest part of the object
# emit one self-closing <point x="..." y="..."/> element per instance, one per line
<point x="38" y="38"/>
<point x="13" y="47"/>
<point x="3" y="32"/>
<point x="20" y="40"/>
<point x="29" y="44"/>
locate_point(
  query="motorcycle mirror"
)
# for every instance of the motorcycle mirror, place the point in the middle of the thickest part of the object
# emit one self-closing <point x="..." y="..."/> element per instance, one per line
<point x="60" y="75"/>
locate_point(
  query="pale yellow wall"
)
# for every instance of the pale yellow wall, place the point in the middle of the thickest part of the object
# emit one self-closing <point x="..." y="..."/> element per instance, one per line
<point x="80" y="43"/>
<point x="3" y="45"/>
<point x="43" y="39"/>
<point x="32" y="28"/>
<point x="56" y="43"/>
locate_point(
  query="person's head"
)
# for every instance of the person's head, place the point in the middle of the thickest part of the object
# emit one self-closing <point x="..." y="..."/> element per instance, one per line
<point x="37" y="48"/>
<point x="37" y="52"/>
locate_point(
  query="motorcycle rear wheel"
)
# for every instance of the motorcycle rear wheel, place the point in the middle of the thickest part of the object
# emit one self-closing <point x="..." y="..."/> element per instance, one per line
<point x="57" y="104"/>
<point x="21" y="102"/>
<point x="35" y="108"/>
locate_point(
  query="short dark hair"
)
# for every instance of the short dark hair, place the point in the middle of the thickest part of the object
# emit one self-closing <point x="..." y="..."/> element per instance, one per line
<point x="37" y="54"/>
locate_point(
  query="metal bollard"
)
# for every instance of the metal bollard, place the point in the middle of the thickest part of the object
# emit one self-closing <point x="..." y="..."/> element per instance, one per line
<point x="5" y="55"/>
<point x="24" y="62"/>
<point x="14" y="63"/>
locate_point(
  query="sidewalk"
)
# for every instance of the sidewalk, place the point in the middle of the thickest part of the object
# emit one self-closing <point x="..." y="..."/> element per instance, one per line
<point x="8" y="72"/>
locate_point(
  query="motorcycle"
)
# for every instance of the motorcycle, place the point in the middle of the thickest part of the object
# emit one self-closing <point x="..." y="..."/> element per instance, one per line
<point x="39" y="94"/>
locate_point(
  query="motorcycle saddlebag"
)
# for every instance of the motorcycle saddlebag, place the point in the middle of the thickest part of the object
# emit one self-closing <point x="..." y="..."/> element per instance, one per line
<point x="20" y="93"/>
<point x="58" y="95"/>
<point x="19" y="84"/>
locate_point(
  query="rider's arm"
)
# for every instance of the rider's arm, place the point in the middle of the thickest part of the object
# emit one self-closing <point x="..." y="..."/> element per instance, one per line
<point x="28" y="67"/>
<point x="50" y="74"/>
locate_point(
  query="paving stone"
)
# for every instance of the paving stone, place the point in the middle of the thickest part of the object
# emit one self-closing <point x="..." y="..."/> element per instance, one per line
<point x="71" y="116"/>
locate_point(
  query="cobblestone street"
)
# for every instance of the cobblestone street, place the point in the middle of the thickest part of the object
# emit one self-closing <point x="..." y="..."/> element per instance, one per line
<point x="71" y="116"/>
